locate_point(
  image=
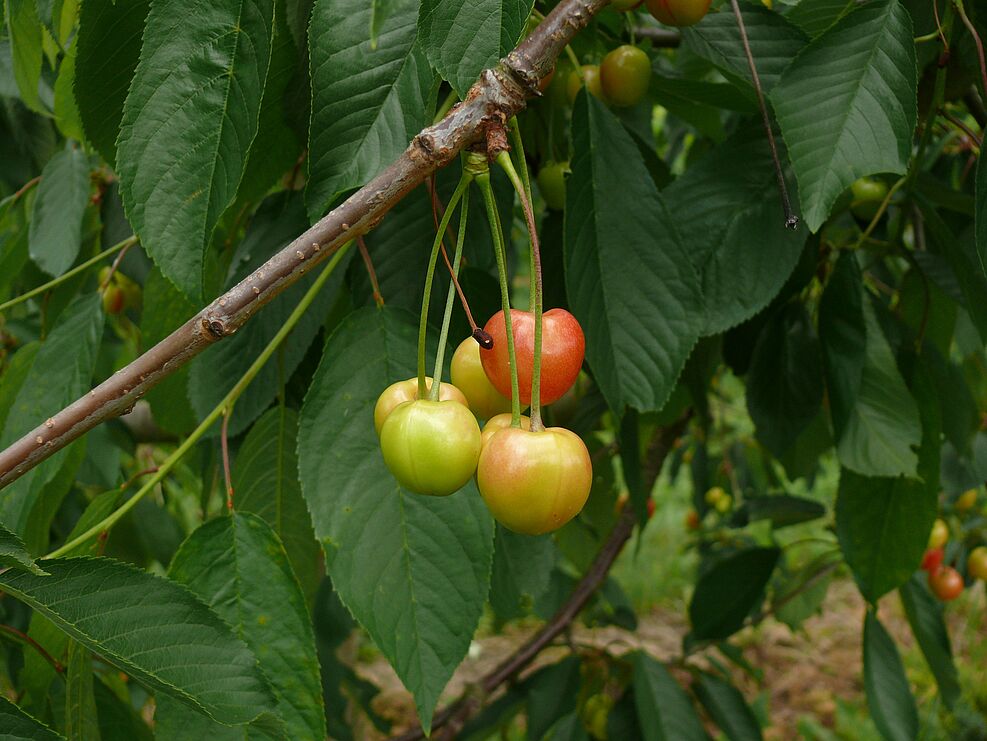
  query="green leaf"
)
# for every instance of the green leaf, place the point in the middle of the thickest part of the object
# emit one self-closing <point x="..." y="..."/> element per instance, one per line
<point x="463" y="39"/>
<point x="413" y="570"/>
<point x="551" y="694"/>
<point x="118" y="721"/>
<point x="61" y="373"/>
<point x="981" y="216"/>
<point x="214" y="373"/>
<point x="157" y="632"/>
<point x="66" y="110"/>
<point x="728" y="591"/>
<point x="108" y="48"/>
<point x="781" y="509"/>
<point x="815" y="16"/>
<point x="238" y="567"/>
<point x="663" y="709"/>
<point x="367" y="102"/>
<point x="847" y="104"/>
<point x="888" y="695"/>
<point x="25" y="49"/>
<point x="522" y="567"/>
<point x="265" y="479"/>
<point x="13" y="377"/>
<point x="774" y="42"/>
<point x="13" y="553"/>
<point x="925" y="616"/>
<point x="19" y="726"/>
<point x="728" y="210"/>
<point x="728" y="708"/>
<point x="628" y="276"/>
<point x="185" y="136"/>
<point x="56" y="219"/>
<point x="81" y="723"/>
<point x="785" y="383"/>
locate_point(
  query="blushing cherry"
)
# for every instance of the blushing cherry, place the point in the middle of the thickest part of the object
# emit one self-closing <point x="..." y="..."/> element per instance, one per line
<point x="678" y="13"/>
<point x="946" y="583"/>
<point x="402" y="391"/>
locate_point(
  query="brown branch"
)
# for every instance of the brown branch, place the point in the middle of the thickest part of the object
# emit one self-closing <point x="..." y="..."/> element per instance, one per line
<point x="660" y="38"/>
<point x="371" y="273"/>
<point x="454" y="716"/>
<point x="499" y="94"/>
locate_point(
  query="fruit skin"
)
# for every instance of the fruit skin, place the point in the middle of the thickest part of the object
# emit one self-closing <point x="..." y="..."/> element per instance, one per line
<point x="966" y="500"/>
<point x="932" y="560"/>
<point x="946" y="583"/>
<point x="402" y="391"/>
<point x="976" y="564"/>
<point x="551" y="184"/>
<point x="678" y="13"/>
<point x="939" y="535"/>
<point x="431" y="447"/>
<point x="591" y="76"/>
<point x="623" y="6"/>
<point x="534" y="482"/>
<point x="467" y="374"/>
<point x="563" y="348"/>
<point x="114" y="299"/>
<point x="867" y="196"/>
<point x="501" y="422"/>
<point x="624" y="75"/>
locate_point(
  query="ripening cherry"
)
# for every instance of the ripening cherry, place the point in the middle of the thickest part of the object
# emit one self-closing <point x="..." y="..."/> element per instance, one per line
<point x="939" y="535"/>
<point x="976" y="564"/>
<point x="932" y="559"/>
<point x="114" y="299"/>
<point x="590" y="76"/>
<point x="868" y="193"/>
<point x="678" y="13"/>
<point x="624" y="75"/>
<point x="563" y="348"/>
<point x="501" y="422"/>
<point x="402" y="391"/>
<point x="946" y="583"/>
<point x="551" y="184"/>
<point x="966" y="500"/>
<point x="468" y="376"/>
<point x="534" y="482"/>
<point x="623" y="6"/>
<point x="431" y="447"/>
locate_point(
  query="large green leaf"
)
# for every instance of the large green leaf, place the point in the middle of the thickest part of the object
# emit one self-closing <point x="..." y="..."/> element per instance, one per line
<point x="367" y="100"/>
<point x="19" y="726"/>
<point x="238" y="567"/>
<point x="888" y="696"/>
<point x="56" y="219"/>
<point x="13" y="377"/>
<point x="728" y="708"/>
<point x="628" y="276"/>
<point x="214" y="373"/>
<point x="413" y="570"/>
<point x="24" y="32"/>
<point x="151" y="628"/>
<point x="265" y="479"/>
<point x="815" y="16"/>
<point x="462" y="39"/>
<point x="729" y="590"/>
<point x="728" y="211"/>
<point x="551" y="694"/>
<point x="108" y="47"/>
<point x="14" y="554"/>
<point x="774" y="42"/>
<point x="81" y="723"/>
<point x="61" y="373"/>
<point x="522" y="567"/>
<point x="843" y="332"/>
<point x="846" y="105"/>
<point x="981" y="216"/>
<point x="188" y="122"/>
<point x="663" y="709"/>
<point x="66" y="109"/>
<point x="925" y="616"/>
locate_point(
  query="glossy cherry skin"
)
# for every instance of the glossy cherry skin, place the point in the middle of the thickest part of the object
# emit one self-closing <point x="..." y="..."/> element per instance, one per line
<point x="867" y="196"/>
<point x="402" y="391"/>
<point x="590" y="76"/>
<point x="976" y="564"/>
<point x="431" y="447"/>
<point x="932" y="560"/>
<point x="468" y="376"/>
<point x="939" y="535"/>
<point x="551" y="184"/>
<point x="678" y="13"/>
<point x="563" y="348"/>
<point x="501" y="422"/>
<point x="946" y="583"/>
<point x="624" y="75"/>
<point x="534" y="482"/>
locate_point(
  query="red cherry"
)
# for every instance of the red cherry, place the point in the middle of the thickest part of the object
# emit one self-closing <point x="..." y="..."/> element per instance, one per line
<point x="563" y="347"/>
<point x="932" y="560"/>
<point x="946" y="583"/>
<point x="678" y="12"/>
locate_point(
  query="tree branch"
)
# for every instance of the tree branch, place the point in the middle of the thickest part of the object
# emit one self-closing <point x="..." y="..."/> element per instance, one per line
<point x="455" y="715"/>
<point x="499" y="94"/>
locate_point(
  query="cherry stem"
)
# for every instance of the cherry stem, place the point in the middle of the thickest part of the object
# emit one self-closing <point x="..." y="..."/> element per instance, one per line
<point x="436" y="207"/>
<point x="225" y="447"/>
<point x="504" y="160"/>
<point x="450" y="297"/>
<point x="483" y="180"/>
<point x="791" y="219"/>
<point x="464" y="181"/>
<point x="114" y="265"/>
<point x="976" y="40"/>
<point x="369" y="264"/>
<point x="27" y="640"/>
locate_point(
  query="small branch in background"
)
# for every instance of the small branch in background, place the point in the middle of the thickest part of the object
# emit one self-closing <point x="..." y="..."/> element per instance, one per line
<point x="24" y="638"/>
<point x="958" y="123"/>
<point x="660" y="38"/>
<point x="129" y="482"/>
<point x="791" y="219"/>
<point x="939" y="32"/>
<point x="24" y="189"/>
<point x="114" y="265"/>
<point x="976" y="39"/>
<point x="224" y="444"/>
<point x="369" y="264"/>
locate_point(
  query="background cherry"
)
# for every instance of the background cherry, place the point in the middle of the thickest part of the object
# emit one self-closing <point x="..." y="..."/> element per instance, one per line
<point x="624" y="75"/>
<point x="590" y="76"/>
<point x="939" y="534"/>
<point x="623" y="6"/>
<point x="946" y="583"/>
<point x="976" y="564"/>
<point x="551" y="184"/>
<point x="868" y="193"/>
<point x="468" y="376"/>
<point x="402" y="391"/>
<point x="678" y="13"/>
<point x="563" y="348"/>
<point x="932" y="560"/>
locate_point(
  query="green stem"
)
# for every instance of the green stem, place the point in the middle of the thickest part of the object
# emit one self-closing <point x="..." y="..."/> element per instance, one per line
<point x="517" y="144"/>
<point x="483" y="180"/>
<point x="215" y="414"/>
<point x="450" y="298"/>
<point x="504" y="160"/>
<point x="464" y="181"/>
<point x="73" y="272"/>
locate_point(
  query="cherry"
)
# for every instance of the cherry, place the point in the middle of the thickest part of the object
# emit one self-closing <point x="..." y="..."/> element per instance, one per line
<point x="678" y="12"/>
<point x="431" y="447"/>
<point x="976" y="564"/>
<point x="563" y="347"/>
<point x="946" y="583"/>
<point x="623" y="6"/>
<point x="692" y="520"/>
<point x="932" y="560"/>
<point x="534" y="482"/>
<point x="501" y="422"/>
<point x="551" y="184"/>
<point x="867" y="196"/>
<point x="719" y="499"/>
<point x="114" y="299"/>
<point x="624" y="499"/>
<point x="467" y="375"/>
<point x="402" y="391"/>
<point x="546" y="81"/>
<point x="624" y="75"/>
<point x="590" y="76"/>
<point x="939" y="534"/>
<point x="966" y="500"/>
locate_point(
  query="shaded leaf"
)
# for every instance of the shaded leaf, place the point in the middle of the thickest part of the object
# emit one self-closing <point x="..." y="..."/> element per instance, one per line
<point x="815" y="16"/>
<point x="551" y="694"/>
<point x="19" y="726"/>
<point x="56" y="219"/>
<point x="888" y="695"/>
<point x="81" y="723"/>
<point x="925" y="616"/>
<point x="522" y="566"/>
<point x="728" y="591"/>
<point x="664" y="710"/>
<point x="25" y="49"/>
<point x="14" y="554"/>
<point x="981" y="216"/>
<point x="728" y="708"/>
<point x="781" y="509"/>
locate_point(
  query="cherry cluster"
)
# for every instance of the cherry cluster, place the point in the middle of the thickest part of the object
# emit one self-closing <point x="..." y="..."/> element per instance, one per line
<point x="945" y="580"/>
